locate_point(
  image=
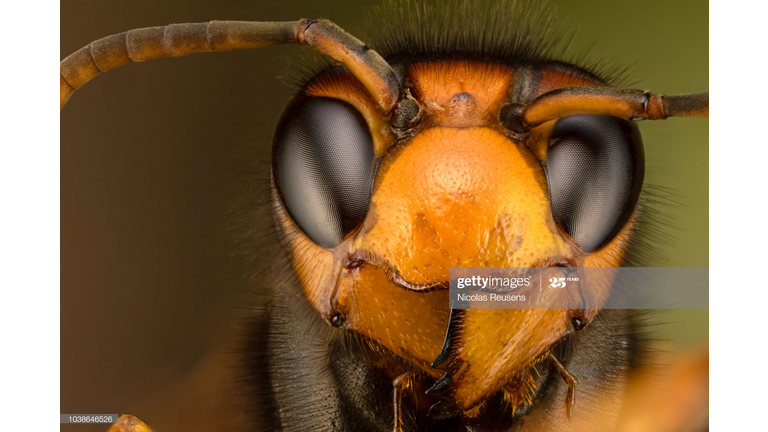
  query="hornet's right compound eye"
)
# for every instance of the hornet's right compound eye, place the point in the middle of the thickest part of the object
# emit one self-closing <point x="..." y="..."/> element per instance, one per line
<point x="323" y="167"/>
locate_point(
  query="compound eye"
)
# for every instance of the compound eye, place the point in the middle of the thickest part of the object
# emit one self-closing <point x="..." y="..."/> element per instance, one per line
<point x="322" y="164"/>
<point x="595" y="169"/>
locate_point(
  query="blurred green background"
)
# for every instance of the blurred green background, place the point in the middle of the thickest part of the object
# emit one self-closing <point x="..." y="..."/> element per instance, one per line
<point x="668" y="44"/>
<point x="149" y="158"/>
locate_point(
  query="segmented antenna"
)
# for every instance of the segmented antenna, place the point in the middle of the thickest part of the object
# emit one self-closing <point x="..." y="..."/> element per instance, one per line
<point x="177" y="40"/>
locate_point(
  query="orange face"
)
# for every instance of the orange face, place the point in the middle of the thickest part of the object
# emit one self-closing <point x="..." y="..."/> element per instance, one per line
<point x="458" y="190"/>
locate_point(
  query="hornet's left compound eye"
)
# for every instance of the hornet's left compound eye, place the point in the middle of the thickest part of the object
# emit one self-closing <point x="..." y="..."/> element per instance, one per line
<point x="323" y="162"/>
<point x="595" y="171"/>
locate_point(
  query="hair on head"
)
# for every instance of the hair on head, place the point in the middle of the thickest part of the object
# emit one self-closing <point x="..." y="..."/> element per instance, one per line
<point x="517" y="33"/>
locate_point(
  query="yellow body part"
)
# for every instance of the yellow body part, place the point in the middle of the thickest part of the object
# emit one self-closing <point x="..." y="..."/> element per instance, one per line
<point x="460" y="198"/>
<point x="129" y="423"/>
<point x="459" y="192"/>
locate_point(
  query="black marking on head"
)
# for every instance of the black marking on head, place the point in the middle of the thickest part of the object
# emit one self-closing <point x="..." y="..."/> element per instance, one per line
<point x="511" y="117"/>
<point x="406" y="114"/>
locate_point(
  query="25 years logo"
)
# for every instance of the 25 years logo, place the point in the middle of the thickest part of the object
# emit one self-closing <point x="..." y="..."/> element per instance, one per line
<point x="557" y="282"/>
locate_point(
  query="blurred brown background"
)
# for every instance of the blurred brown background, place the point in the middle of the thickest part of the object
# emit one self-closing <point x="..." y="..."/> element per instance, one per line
<point x="149" y="157"/>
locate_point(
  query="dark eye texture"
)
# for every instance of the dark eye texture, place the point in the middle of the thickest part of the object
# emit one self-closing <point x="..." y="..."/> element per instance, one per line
<point x="595" y="171"/>
<point x="322" y="164"/>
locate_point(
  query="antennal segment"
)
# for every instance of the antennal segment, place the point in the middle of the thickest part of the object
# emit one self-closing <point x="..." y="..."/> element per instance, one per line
<point x="177" y="40"/>
<point x="627" y="104"/>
